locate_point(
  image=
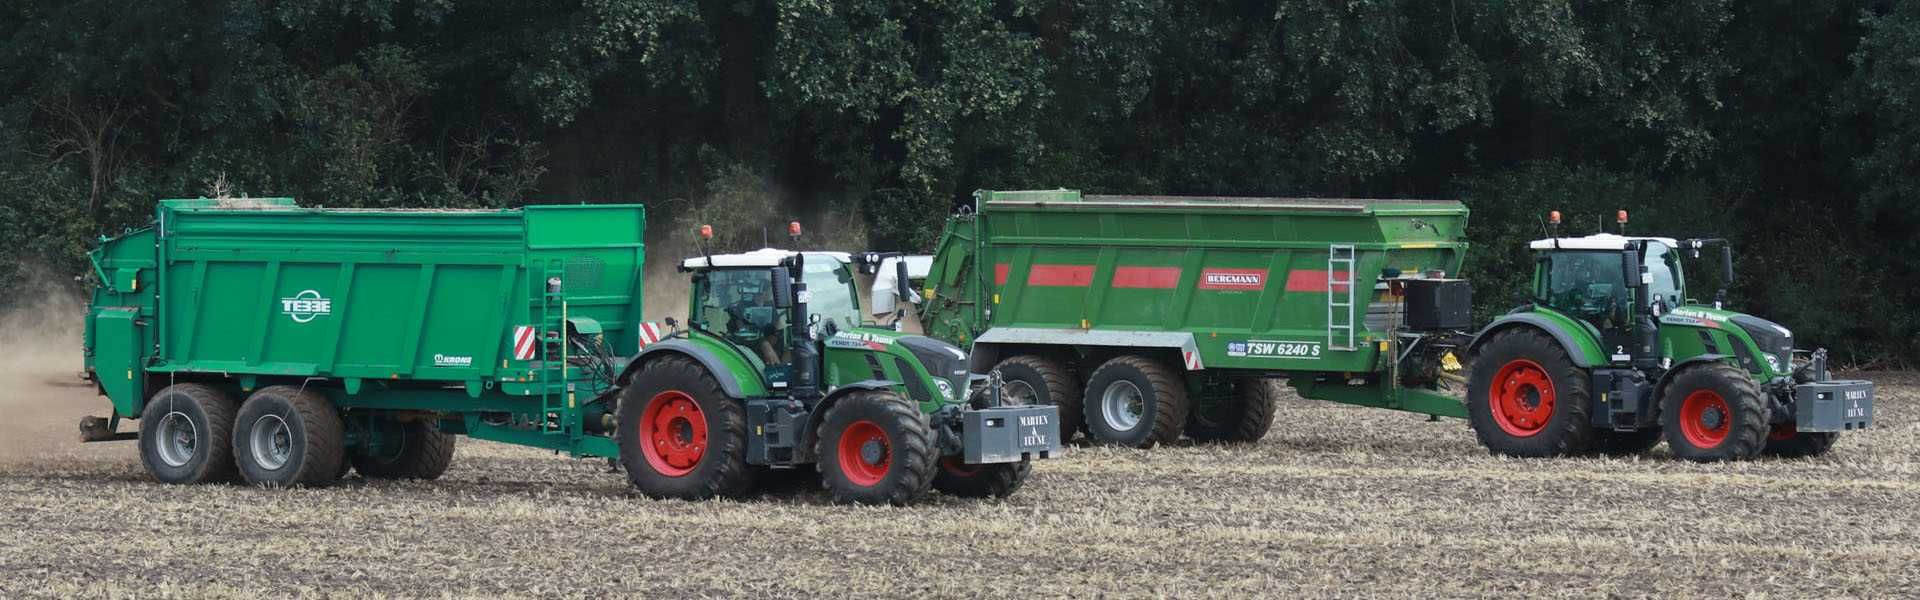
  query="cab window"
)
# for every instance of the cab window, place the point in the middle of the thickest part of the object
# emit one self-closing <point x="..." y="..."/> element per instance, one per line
<point x="1590" y="285"/>
<point x="831" y="286"/>
<point x="1664" y="265"/>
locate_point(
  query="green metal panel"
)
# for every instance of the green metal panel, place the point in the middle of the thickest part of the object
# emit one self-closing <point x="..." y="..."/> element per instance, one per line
<point x="116" y="358"/>
<point x="1686" y="332"/>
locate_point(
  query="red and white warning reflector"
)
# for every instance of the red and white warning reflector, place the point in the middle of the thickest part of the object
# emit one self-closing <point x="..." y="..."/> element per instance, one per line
<point x="523" y="343"/>
<point x="1192" y="360"/>
<point x="651" y="333"/>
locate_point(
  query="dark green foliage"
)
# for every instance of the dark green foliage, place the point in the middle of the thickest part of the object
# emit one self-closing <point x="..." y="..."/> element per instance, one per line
<point x="1790" y="127"/>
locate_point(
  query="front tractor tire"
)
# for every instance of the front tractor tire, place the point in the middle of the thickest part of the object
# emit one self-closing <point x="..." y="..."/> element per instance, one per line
<point x="681" y="436"/>
<point x="1787" y="441"/>
<point x="407" y="450"/>
<point x="186" y="434"/>
<point x="1135" y="401"/>
<point x="1526" y="398"/>
<point x="957" y="478"/>
<point x="1031" y="379"/>
<point x="285" y="436"/>
<point x="1713" y="412"/>
<point x="874" y="447"/>
<point x="1239" y="413"/>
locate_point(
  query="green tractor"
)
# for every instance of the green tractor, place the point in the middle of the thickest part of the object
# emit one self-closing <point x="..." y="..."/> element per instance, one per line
<point x="1611" y="354"/>
<point x="776" y="370"/>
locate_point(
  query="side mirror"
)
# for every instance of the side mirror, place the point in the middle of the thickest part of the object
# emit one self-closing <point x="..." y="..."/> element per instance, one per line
<point x="671" y="324"/>
<point x="782" y="288"/>
<point x="902" y="287"/>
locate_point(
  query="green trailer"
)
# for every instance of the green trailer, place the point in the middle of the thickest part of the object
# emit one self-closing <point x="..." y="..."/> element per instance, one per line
<point x="259" y="340"/>
<point x="1146" y="318"/>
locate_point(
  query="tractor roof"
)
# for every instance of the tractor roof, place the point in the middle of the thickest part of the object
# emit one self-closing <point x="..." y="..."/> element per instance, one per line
<point x="764" y="257"/>
<point x="1598" y="241"/>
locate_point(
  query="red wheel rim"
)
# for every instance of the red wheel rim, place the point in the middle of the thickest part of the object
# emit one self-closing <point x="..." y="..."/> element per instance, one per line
<point x="865" y="454"/>
<point x="673" y="433"/>
<point x="1783" y="432"/>
<point x="1522" y="398"/>
<point x="1705" y="419"/>
<point x="955" y="466"/>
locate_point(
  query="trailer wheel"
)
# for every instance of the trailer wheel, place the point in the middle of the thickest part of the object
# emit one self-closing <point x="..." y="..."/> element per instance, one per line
<point x="1526" y="398"/>
<point x="1714" y="411"/>
<point x="1031" y="379"/>
<point x="1242" y="413"/>
<point x="957" y="478"/>
<point x="874" y="448"/>
<point x="1625" y="443"/>
<point x="1135" y="401"/>
<point x="408" y="450"/>
<point x="681" y="436"/>
<point x="1787" y="441"/>
<point x="185" y="434"/>
<point x="286" y="436"/>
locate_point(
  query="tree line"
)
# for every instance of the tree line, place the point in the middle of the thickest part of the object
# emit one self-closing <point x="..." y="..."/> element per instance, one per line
<point x="1792" y="128"/>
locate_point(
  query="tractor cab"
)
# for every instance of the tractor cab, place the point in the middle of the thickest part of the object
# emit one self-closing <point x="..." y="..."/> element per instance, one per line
<point x="1597" y="279"/>
<point x="734" y="296"/>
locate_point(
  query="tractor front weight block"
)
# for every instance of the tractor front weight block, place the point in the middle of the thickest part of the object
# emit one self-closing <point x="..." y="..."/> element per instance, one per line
<point x="1833" y="405"/>
<point x="1007" y="434"/>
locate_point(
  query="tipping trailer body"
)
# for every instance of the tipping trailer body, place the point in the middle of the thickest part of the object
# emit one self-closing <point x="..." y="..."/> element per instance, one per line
<point x="1216" y="285"/>
<point x="457" y="313"/>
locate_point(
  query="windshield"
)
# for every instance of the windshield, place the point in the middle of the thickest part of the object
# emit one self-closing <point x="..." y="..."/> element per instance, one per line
<point x="831" y="285"/>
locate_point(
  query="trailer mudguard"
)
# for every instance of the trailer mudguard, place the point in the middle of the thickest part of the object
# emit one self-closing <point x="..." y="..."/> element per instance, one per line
<point x="722" y="365"/>
<point x="1581" y="343"/>
<point x="986" y="351"/>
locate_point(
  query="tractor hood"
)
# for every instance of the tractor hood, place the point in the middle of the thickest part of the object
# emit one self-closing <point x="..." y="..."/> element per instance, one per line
<point x="1775" y="342"/>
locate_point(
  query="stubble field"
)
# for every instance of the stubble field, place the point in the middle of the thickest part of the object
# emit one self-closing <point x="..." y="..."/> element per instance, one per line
<point x="1337" y="501"/>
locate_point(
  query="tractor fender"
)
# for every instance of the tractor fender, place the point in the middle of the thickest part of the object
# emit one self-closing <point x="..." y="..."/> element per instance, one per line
<point x="684" y="348"/>
<point x="803" y="452"/>
<point x="1560" y="332"/>
<point x="1660" y="387"/>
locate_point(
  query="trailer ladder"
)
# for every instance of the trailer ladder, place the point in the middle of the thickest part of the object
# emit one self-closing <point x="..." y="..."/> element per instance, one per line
<point x="557" y="409"/>
<point x="1340" y="301"/>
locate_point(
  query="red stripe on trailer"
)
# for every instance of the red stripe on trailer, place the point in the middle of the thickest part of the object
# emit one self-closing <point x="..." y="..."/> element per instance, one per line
<point x="523" y="343"/>
<point x="1311" y="280"/>
<point x="1235" y="280"/>
<point x="1060" y="276"/>
<point x="1000" y="274"/>
<point x="1158" y="278"/>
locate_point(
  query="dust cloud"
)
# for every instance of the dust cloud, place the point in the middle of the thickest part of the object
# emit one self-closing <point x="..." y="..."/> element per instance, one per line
<point x="42" y="396"/>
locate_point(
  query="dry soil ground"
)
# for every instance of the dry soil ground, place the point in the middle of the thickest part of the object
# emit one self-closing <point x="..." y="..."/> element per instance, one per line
<point x="1337" y="501"/>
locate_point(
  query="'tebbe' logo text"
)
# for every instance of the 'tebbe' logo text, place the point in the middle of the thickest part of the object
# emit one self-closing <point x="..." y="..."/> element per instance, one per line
<point x="306" y="305"/>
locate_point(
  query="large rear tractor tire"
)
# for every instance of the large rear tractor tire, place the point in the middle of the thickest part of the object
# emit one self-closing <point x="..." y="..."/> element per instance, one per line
<point x="1135" y="401"/>
<point x="1714" y="411"/>
<point x="1526" y="398"/>
<point x="874" y="447"/>
<point x="1786" y="441"/>
<point x="286" y="436"/>
<point x="408" y="450"/>
<point x="186" y="435"/>
<point x="1031" y="379"/>
<point x="681" y="436"/>
<point x="1240" y="414"/>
